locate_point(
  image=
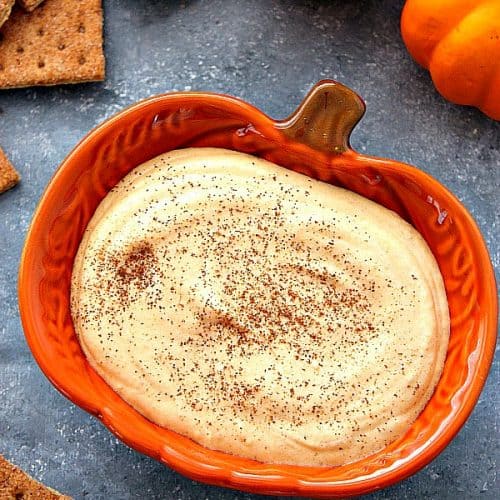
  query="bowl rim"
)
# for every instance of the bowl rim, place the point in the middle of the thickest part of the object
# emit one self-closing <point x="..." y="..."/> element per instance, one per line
<point x="259" y="483"/>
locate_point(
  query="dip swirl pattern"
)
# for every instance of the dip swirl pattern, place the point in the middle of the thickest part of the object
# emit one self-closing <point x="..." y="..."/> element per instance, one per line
<point x="258" y="311"/>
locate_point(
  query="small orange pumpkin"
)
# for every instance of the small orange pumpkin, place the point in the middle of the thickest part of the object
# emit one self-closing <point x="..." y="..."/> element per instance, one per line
<point x="458" y="41"/>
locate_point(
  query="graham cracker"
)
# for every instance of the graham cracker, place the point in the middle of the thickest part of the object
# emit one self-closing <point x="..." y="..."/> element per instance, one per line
<point x="8" y="174"/>
<point x="5" y="8"/>
<point x="29" y="5"/>
<point x="14" y="484"/>
<point x="60" y="42"/>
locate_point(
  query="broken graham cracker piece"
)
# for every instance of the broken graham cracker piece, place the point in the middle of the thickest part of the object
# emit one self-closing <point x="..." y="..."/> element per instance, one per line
<point x="8" y="174"/>
<point x="5" y="8"/>
<point x="15" y="484"/>
<point x="60" y="42"/>
<point x="29" y="5"/>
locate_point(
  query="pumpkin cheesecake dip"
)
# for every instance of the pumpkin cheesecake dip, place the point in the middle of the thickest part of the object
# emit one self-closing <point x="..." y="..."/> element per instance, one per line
<point x="258" y="311"/>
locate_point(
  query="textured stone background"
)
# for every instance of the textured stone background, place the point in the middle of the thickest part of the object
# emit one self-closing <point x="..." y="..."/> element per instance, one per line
<point x="269" y="53"/>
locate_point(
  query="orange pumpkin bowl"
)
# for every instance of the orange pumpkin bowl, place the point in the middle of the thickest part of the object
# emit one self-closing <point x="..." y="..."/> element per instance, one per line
<point x="314" y="141"/>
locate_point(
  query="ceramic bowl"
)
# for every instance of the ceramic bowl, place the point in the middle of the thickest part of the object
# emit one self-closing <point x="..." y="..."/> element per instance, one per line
<point x="314" y="140"/>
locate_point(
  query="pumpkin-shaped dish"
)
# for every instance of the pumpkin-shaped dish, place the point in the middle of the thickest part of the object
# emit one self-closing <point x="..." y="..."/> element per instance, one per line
<point x="314" y="141"/>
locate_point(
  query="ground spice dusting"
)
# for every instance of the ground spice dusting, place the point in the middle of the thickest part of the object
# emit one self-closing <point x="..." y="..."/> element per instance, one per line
<point x="136" y="269"/>
<point x="243" y="309"/>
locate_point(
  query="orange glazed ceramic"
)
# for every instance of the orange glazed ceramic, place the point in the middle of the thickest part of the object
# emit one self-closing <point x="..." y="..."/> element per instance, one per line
<point x="315" y="141"/>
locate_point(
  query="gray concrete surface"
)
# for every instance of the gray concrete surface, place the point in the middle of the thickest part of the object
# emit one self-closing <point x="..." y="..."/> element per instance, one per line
<point x="269" y="53"/>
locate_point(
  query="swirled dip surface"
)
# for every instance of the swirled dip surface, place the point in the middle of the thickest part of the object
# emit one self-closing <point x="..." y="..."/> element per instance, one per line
<point x="258" y="311"/>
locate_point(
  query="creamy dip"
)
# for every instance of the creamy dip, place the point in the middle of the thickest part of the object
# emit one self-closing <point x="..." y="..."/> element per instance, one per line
<point x="258" y="311"/>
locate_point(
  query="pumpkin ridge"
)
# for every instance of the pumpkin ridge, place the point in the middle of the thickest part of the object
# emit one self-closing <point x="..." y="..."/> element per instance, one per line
<point x="458" y="41"/>
<point x="484" y="104"/>
<point x="488" y="84"/>
<point x="452" y="88"/>
<point x="412" y="28"/>
<point x="447" y="39"/>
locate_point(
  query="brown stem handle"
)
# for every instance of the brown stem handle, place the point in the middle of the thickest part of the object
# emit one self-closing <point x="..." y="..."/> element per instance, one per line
<point x="325" y="118"/>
